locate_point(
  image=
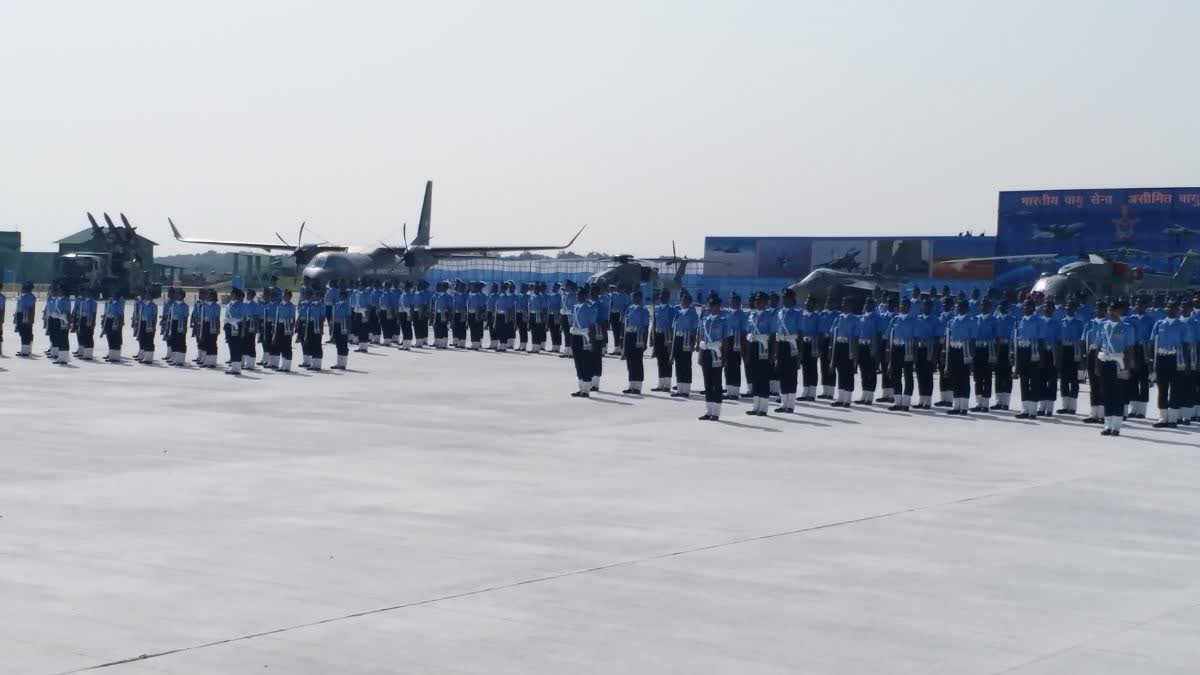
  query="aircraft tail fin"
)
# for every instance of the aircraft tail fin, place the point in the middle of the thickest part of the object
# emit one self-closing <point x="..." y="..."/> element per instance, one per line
<point x="680" y="269"/>
<point x="1184" y="275"/>
<point x="423" y="236"/>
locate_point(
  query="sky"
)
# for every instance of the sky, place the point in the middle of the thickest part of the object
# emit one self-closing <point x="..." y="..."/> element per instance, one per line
<point x="649" y="121"/>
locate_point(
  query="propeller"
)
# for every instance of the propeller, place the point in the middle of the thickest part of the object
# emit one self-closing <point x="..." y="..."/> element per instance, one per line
<point x="299" y="237"/>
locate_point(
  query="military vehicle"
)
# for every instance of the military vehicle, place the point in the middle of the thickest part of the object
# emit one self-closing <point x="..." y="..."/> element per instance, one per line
<point x="120" y="269"/>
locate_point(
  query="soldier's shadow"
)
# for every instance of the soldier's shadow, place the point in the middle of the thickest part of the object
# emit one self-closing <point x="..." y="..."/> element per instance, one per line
<point x="597" y="399"/>
<point x="1159" y="441"/>
<point x="739" y="425"/>
<point x="827" y="419"/>
<point x="787" y="417"/>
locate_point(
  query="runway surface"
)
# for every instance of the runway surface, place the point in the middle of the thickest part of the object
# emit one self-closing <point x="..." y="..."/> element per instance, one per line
<point x="451" y="512"/>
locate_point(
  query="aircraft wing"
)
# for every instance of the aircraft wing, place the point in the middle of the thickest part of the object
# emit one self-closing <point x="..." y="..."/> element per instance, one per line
<point x="863" y="285"/>
<point x="469" y="250"/>
<point x="266" y="246"/>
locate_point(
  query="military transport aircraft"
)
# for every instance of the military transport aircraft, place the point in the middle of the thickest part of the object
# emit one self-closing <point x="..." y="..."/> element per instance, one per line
<point x="324" y="262"/>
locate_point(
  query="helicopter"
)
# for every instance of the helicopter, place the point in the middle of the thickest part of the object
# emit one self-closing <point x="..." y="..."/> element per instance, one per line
<point x="629" y="272"/>
<point x="1107" y="273"/>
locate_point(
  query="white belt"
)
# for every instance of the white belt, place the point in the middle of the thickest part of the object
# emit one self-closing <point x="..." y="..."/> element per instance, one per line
<point x="958" y="344"/>
<point x="896" y="342"/>
<point x="760" y="339"/>
<point x="500" y="312"/>
<point x="1068" y="343"/>
<point x="1168" y="350"/>
<point x="579" y="331"/>
<point x="843" y="340"/>
<point x="807" y="338"/>
<point x="790" y="339"/>
<point x="1024" y="343"/>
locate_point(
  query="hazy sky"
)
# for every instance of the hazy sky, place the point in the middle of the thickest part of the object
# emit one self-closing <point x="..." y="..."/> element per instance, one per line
<point x="649" y="121"/>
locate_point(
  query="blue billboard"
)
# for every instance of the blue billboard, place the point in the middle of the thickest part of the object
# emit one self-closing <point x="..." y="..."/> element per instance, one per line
<point x="745" y="264"/>
<point x="1147" y="227"/>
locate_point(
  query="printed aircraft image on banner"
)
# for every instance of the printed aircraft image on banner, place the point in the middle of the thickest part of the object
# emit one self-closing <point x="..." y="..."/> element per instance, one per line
<point x="1074" y="223"/>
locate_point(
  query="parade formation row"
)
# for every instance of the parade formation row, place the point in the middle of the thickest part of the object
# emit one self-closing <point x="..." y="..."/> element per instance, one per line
<point x="786" y="352"/>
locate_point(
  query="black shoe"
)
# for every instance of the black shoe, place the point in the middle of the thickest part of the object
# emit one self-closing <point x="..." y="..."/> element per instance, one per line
<point x="595" y="388"/>
<point x="575" y="394"/>
<point x="1092" y="420"/>
<point x="942" y="404"/>
<point x="1161" y="424"/>
<point x="704" y="418"/>
<point x="1185" y="423"/>
<point x="1041" y="414"/>
<point x="1115" y="433"/>
<point x="1106" y="432"/>
<point x="977" y="408"/>
<point x="886" y="399"/>
<point x="825" y="397"/>
<point x="781" y="409"/>
<point x="1023" y="416"/>
<point x="676" y="394"/>
<point x="761" y="413"/>
<point x="714" y="418"/>
<point x="1063" y="411"/>
<point x="751" y="412"/>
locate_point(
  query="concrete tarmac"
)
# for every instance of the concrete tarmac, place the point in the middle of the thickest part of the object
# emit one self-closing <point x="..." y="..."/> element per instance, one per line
<point x="456" y="512"/>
